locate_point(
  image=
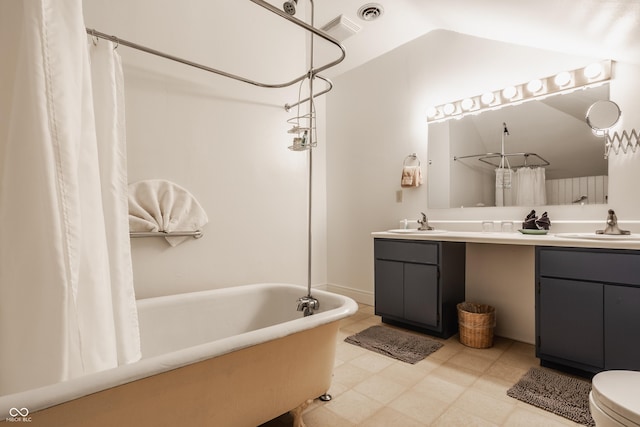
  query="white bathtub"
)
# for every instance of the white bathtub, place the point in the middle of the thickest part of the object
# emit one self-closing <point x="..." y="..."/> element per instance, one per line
<point x="228" y="357"/>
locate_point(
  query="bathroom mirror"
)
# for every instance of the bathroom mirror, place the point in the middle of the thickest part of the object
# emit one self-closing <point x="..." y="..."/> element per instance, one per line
<point x="552" y="128"/>
<point x="603" y="115"/>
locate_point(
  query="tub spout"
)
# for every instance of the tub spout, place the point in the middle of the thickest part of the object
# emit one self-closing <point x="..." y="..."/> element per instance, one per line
<point x="307" y="305"/>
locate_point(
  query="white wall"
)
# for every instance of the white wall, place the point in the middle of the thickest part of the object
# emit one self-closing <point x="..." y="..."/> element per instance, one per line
<point x="376" y="116"/>
<point x="224" y="141"/>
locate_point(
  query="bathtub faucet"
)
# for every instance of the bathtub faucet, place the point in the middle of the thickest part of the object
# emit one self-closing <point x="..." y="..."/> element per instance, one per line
<point x="308" y="304"/>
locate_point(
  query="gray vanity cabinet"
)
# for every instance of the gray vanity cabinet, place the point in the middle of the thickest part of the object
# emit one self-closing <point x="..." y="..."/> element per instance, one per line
<point x="622" y="327"/>
<point x="588" y="308"/>
<point x="570" y="323"/>
<point x="419" y="283"/>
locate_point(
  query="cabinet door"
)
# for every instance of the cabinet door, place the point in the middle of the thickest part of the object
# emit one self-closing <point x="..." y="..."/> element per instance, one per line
<point x="622" y="327"/>
<point x="571" y="324"/>
<point x="421" y="294"/>
<point x="389" y="276"/>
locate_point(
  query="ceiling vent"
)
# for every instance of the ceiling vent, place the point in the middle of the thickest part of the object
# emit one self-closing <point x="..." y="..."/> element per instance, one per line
<point x="370" y="11"/>
<point x="341" y="28"/>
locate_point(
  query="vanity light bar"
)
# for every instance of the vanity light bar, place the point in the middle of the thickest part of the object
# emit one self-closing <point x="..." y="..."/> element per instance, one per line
<point x="592" y="75"/>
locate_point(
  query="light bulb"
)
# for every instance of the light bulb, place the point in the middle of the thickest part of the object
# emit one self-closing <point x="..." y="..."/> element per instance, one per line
<point x="487" y="98"/>
<point x="592" y="71"/>
<point x="562" y="79"/>
<point x="509" y="92"/>
<point x="449" y="109"/>
<point x="432" y="112"/>
<point x="534" y="86"/>
<point x="467" y="104"/>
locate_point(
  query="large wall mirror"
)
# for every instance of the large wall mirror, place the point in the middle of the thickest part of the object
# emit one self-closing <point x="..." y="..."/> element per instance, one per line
<point x="565" y="162"/>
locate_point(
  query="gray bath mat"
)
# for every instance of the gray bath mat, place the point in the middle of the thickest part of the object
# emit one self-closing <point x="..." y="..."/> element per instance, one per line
<point x="404" y="346"/>
<point x="554" y="392"/>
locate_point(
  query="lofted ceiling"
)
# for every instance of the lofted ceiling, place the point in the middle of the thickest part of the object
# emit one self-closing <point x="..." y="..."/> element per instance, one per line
<point x="607" y="29"/>
<point x="223" y="34"/>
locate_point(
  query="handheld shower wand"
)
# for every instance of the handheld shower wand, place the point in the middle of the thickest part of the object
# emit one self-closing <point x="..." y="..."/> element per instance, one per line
<point x="506" y="131"/>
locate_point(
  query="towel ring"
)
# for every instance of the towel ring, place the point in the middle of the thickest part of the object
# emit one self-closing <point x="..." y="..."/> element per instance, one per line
<point x="411" y="157"/>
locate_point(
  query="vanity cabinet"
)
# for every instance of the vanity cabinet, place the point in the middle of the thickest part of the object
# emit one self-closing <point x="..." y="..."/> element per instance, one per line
<point x="419" y="283"/>
<point x="588" y="308"/>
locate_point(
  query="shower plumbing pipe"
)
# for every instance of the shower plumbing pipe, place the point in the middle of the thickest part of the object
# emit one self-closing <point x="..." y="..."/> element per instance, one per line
<point x="310" y="28"/>
<point x="312" y="73"/>
<point x="312" y="129"/>
<point x="307" y="304"/>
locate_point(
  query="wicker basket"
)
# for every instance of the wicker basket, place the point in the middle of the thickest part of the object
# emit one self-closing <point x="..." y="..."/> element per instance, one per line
<point x="476" y="322"/>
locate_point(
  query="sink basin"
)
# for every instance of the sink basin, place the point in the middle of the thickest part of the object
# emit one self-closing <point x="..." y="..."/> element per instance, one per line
<point x="594" y="236"/>
<point x="415" y="231"/>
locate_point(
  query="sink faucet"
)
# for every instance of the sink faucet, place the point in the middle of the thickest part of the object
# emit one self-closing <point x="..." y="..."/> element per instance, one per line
<point x="612" y="225"/>
<point x="307" y="305"/>
<point x="424" y="223"/>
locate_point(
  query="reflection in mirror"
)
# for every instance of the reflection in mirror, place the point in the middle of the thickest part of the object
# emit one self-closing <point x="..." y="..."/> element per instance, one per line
<point x="551" y="129"/>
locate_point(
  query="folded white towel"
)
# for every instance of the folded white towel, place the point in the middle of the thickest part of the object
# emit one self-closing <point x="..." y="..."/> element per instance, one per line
<point x="411" y="176"/>
<point x="159" y="205"/>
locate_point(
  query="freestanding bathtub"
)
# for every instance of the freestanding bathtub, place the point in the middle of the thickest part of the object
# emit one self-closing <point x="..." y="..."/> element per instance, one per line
<point x="227" y="357"/>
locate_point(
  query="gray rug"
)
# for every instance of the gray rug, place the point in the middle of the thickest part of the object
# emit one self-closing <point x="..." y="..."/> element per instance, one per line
<point x="561" y="394"/>
<point x="404" y="346"/>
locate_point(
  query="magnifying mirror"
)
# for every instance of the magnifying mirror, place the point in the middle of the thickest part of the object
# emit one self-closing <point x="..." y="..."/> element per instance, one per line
<point x="602" y="115"/>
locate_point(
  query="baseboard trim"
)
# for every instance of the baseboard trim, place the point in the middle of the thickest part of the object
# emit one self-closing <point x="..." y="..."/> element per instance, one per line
<point x="360" y="296"/>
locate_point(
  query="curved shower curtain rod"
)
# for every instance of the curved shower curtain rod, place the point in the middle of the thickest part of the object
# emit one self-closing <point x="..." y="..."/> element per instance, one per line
<point x="304" y="25"/>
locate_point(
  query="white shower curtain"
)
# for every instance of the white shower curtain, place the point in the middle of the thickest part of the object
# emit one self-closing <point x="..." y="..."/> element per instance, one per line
<point x="531" y="187"/>
<point x="67" y="304"/>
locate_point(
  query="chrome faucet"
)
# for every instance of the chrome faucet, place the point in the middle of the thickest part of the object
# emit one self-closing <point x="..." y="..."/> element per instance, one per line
<point x="612" y="225"/>
<point x="424" y="223"/>
<point x="307" y="305"/>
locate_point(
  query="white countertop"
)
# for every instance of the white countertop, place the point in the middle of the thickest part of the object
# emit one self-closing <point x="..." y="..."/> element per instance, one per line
<point x="514" y="238"/>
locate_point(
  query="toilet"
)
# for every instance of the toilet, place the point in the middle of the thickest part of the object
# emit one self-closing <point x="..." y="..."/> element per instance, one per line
<point x="615" y="399"/>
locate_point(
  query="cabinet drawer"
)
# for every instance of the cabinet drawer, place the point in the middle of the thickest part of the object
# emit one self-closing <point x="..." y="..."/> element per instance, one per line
<point x="407" y="251"/>
<point x="593" y="265"/>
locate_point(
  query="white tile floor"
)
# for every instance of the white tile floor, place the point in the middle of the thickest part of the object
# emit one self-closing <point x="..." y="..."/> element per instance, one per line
<point x="455" y="386"/>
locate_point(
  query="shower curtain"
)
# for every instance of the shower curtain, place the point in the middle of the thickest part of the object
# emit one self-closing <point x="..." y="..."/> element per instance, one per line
<point x="67" y="303"/>
<point x="527" y="187"/>
<point x="531" y="187"/>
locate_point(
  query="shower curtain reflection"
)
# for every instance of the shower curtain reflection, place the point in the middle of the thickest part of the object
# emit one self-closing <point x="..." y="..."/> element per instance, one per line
<point x="67" y="304"/>
<point x="531" y="188"/>
<point x="525" y="187"/>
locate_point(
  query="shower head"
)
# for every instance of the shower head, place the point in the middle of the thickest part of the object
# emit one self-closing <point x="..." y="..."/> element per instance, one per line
<point x="289" y="6"/>
<point x="506" y="131"/>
